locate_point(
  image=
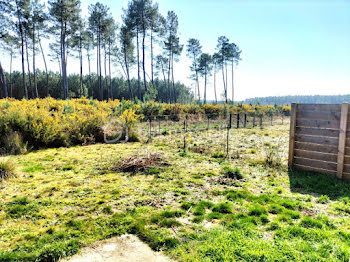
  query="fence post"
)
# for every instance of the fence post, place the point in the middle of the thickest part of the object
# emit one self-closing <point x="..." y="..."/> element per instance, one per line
<point x="185" y="131"/>
<point x="238" y="119"/>
<point x="229" y="126"/>
<point x="159" y="126"/>
<point x="208" y="122"/>
<point x="293" y="118"/>
<point x="342" y="139"/>
<point x="271" y="119"/>
<point x="150" y="128"/>
<point x="245" y="120"/>
<point x="261" y="120"/>
<point x="254" y="120"/>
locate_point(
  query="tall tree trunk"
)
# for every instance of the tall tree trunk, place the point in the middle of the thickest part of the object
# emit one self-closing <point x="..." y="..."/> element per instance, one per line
<point x="11" y="84"/>
<point x="105" y="63"/>
<point x="23" y="70"/>
<point x="82" y="92"/>
<point x="169" y="72"/>
<point x="138" y="64"/>
<point x="110" y="71"/>
<point x="34" y="69"/>
<point x="152" y="70"/>
<point x="164" y="77"/>
<point x="100" y="67"/>
<point x="44" y="59"/>
<point x="128" y="75"/>
<point x="97" y="70"/>
<point x="28" y="65"/>
<point x="22" y="52"/>
<point x="172" y="76"/>
<point x="216" y="99"/>
<point x="226" y="82"/>
<point x="223" y="77"/>
<point x="59" y="65"/>
<point x="233" y="83"/>
<point x="143" y="57"/>
<point x="197" y="78"/>
<point x="63" y="60"/>
<point x="3" y="81"/>
<point x="81" y="65"/>
<point x="205" y="86"/>
<point x="90" y="80"/>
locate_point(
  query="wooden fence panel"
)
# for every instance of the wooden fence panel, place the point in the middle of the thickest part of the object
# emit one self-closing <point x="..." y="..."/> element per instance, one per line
<point x="320" y="139"/>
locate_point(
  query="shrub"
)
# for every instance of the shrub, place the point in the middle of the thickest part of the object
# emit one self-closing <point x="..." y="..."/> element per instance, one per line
<point x="7" y="169"/>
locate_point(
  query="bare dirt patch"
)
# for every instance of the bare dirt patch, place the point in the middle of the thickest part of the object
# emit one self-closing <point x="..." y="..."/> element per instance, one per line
<point x="122" y="249"/>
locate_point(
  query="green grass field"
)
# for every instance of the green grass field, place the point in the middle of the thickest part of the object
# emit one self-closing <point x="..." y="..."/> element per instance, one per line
<point x="198" y="207"/>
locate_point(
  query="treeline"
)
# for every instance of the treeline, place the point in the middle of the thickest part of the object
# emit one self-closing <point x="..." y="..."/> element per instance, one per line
<point x="287" y="100"/>
<point x="114" y="88"/>
<point x="146" y="45"/>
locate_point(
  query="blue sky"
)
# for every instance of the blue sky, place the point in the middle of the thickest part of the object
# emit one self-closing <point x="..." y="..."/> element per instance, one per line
<point x="288" y="47"/>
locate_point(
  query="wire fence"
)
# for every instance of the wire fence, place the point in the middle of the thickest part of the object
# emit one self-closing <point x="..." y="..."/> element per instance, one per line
<point x="184" y="124"/>
<point x="166" y="124"/>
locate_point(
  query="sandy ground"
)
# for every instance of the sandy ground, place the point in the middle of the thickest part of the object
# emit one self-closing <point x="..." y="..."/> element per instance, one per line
<point x="126" y="248"/>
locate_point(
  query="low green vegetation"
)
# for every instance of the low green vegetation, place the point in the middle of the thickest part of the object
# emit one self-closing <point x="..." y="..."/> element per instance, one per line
<point x="197" y="207"/>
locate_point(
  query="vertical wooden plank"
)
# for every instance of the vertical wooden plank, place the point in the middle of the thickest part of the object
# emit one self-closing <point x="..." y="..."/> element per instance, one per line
<point x="342" y="139"/>
<point x="293" y="121"/>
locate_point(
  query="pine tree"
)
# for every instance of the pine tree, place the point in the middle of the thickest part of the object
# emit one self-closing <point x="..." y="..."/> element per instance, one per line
<point x="99" y="15"/>
<point x="64" y="14"/>
<point x="173" y="47"/>
<point x="204" y="69"/>
<point x="194" y="51"/>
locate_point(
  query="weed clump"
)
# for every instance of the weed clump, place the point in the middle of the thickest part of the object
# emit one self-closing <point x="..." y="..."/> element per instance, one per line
<point x="272" y="155"/>
<point x="233" y="173"/>
<point x="224" y="208"/>
<point x="324" y="199"/>
<point x="201" y="208"/>
<point x="7" y="169"/>
<point x="257" y="210"/>
<point x="172" y="213"/>
<point x="309" y="222"/>
<point x="218" y="155"/>
<point x="13" y="144"/>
